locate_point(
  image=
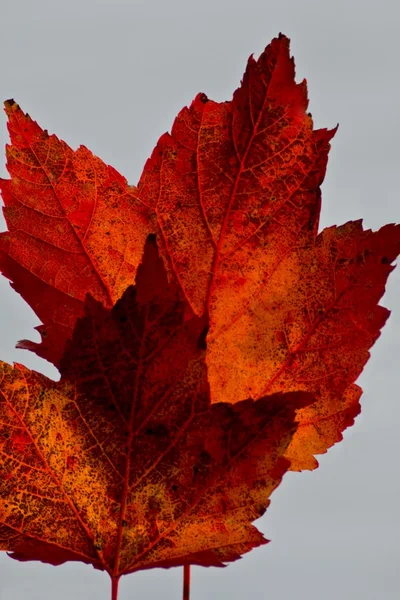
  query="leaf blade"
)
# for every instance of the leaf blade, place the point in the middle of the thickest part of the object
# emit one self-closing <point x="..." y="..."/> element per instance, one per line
<point x="68" y="216"/>
<point x="136" y="467"/>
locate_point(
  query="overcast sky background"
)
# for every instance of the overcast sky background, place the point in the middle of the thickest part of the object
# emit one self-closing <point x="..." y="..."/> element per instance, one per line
<point x="112" y="75"/>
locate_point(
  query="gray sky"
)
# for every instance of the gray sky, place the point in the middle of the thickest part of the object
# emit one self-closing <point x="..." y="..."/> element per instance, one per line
<point x="112" y="74"/>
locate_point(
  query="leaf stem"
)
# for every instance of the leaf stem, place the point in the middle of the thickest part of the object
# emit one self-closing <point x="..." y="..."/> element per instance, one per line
<point x="114" y="587"/>
<point x="186" y="582"/>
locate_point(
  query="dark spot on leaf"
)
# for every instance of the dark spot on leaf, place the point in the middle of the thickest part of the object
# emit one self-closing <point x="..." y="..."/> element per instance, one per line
<point x="201" y="342"/>
<point x="203" y="98"/>
<point x="174" y="487"/>
<point x="205" y="457"/>
<point x="202" y="468"/>
<point x="260" y="484"/>
<point x="123" y="319"/>
<point x="360" y="259"/>
<point x="385" y="260"/>
<point x="157" y="430"/>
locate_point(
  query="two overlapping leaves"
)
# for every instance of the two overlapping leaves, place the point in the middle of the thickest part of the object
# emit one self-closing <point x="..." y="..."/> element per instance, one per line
<point x="185" y="398"/>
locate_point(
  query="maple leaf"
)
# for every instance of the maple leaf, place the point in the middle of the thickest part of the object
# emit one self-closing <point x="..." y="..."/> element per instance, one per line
<point x="125" y="463"/>
<point x="75" y="227"/>
<point x="233" y="194"/>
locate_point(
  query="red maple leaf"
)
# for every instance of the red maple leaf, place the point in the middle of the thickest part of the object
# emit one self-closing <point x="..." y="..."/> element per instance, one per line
<point x="124" y="463"/>
<point x="75" y="227"/>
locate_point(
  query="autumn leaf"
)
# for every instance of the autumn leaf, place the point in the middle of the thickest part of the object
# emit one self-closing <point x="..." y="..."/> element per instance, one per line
<point x="75" y="227"/>
<point x="124" y="463"/>
<point x="235" y="192"/>
<point x="233" y="195"/>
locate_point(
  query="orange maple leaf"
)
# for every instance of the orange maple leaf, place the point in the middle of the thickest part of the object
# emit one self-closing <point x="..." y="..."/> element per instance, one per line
<point x="124" y="463"/>
<point x="235" y="193"/>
